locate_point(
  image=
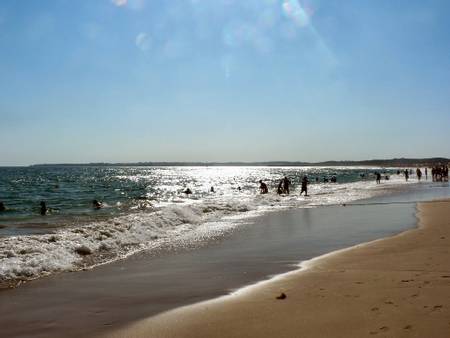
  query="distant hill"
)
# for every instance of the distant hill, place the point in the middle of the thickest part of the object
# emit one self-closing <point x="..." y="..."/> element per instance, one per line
<point x="395" y="162"/>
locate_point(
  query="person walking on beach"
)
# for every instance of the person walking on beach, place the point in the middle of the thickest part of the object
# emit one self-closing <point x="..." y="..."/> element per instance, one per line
<point x="263" y="187"/>
<point x="304" y="186"/>
<point x="426" y="174"/>
<point x="406" y="175"/>
<point x="378" y="175"/>
<point x="286" y="184"/>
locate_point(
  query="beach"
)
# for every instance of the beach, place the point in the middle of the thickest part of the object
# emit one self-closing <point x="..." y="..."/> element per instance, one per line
<point x="192" y="260"/>
<point x="393" y="287"/>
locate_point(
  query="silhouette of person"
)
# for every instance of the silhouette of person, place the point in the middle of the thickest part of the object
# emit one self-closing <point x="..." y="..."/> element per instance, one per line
<point x="378" y="175"/>
<point x="280" y="188"/>
<point x="43" y="209"/>
<point x="263" y="187"/>
<point x="419" y="174"/>
<point x="304" y="186"/>
<point x="96" y="204"/>
<point x="286" y="184"/>
<point x="2" y="207"/>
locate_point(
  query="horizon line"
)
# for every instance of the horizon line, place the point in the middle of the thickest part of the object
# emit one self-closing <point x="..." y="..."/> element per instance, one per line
<point x="243" y="163"/>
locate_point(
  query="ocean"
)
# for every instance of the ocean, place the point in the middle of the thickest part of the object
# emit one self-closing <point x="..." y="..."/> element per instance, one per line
<point x="144" y="208"/>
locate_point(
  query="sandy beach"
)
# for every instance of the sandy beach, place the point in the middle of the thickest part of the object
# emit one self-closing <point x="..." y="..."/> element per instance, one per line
<point x="394" y="287"/>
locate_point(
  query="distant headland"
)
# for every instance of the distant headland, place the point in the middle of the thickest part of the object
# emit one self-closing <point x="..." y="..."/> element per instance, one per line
<point x="395" y="162"/>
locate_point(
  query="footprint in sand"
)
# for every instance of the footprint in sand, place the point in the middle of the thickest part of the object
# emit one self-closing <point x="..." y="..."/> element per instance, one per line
<point x="384" y="328"/>
<point x="389" y="302"/>
<point x="374" y="309"/>
<point x="407" y="327"/>
<point x="407" y="280"/>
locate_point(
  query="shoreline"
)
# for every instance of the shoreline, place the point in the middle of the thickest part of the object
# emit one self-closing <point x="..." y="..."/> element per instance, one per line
<point x="250" y="311"/>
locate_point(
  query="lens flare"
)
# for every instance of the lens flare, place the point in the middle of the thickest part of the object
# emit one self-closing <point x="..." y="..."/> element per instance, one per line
<point x="143" y="41"/>
<point x="294" y="10"/>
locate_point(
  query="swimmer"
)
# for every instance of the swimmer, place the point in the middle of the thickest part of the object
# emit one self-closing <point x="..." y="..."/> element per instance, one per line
<point x="96" y="204"/>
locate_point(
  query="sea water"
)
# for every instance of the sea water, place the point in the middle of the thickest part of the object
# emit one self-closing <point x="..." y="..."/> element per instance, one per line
<point x="145" y="207"/>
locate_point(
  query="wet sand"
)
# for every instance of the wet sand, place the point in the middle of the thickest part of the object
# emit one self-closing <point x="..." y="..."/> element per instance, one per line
<point x="394" y="287"/>
<point x="114" y="295"/>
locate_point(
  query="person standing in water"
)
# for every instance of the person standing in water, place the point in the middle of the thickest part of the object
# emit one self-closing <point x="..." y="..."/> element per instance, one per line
<point x="378" y="175"/>
<point x="304" y="186"/>
<point x="406" y="175"/>
<point x="280" y="188"/>
<point x="426" y="174"/>
<point x="263" y="187"/>
<point x="419" y="174"/>
<point x="286" y="184"/>
<point x="43" y="211"/>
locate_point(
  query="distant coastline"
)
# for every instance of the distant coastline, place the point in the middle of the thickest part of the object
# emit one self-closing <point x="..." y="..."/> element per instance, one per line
<point x="395" y="162"/>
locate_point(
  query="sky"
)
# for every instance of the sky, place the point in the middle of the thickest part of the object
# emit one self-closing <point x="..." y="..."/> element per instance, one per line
<point x="223" y="80"/>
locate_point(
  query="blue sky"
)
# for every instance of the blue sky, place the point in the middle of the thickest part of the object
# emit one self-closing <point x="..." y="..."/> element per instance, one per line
<point x="223" y="80"/>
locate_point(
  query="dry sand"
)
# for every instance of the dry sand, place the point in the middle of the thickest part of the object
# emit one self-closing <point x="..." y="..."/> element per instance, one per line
<point x="395" y="287"/>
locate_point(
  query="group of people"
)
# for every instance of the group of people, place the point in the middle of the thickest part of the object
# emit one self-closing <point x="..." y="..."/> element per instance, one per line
<point x="439" y="173"/>
<point x="283" y="186"/>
